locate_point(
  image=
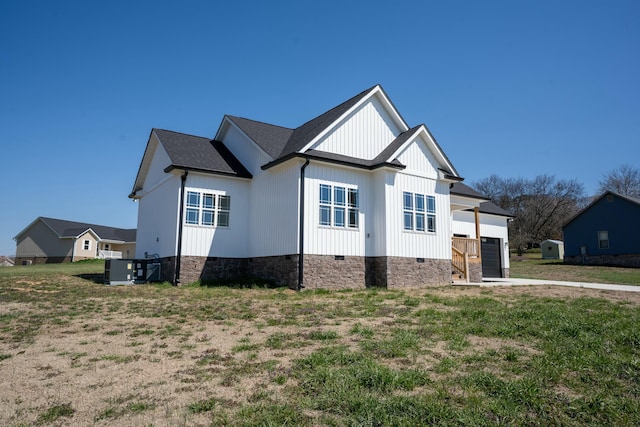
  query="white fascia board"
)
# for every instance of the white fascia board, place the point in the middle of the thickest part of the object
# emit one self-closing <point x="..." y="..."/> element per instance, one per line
<point x="462" y="203"/>
<point x="117" y="242"/>
<point x="143" y="192"/>
<point x="433" y="147"/>
<point x="145" y="163"/>
<point x="227" y="121"/>
<point x="388" y="106"/>
<point x="89" y="230"/>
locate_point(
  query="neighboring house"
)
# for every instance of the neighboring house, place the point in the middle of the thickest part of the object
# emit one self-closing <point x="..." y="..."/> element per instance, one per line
<point x="607" y="232"/>
<point x="49" y="240"/>
<point x="494" y="233"/>
<point x="552" y="249"/>
<point x="352" y="198"/>
<point x="6" y="261"/>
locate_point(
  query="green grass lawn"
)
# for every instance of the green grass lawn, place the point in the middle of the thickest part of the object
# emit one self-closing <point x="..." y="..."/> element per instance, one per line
<point x="533" y="267"/>
<point x="269" y="357"/>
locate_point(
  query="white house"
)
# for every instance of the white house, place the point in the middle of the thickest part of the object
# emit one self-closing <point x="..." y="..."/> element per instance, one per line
<point x="352" y="198"/>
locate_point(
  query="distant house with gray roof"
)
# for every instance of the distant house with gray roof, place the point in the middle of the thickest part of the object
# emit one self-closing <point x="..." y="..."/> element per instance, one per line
<point x="50" y="240"/>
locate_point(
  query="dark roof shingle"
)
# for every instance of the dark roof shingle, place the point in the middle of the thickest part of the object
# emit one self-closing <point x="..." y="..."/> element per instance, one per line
<point x="464" y="190"/>
<point x="493" y="209"/>
<point x="270" y="138"/>
<point x="198" y="153"/>
<point x="66" y="228"/>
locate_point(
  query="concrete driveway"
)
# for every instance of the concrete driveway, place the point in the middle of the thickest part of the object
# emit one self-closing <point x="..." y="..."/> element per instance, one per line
<point x="533" y="282"/>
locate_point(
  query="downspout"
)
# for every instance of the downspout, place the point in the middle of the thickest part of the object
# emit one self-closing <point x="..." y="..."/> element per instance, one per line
<point x="301" y="231"/>
<point x="176" y="268"/>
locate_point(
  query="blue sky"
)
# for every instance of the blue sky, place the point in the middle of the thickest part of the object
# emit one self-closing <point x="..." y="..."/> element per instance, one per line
<point x="510" y="88"/>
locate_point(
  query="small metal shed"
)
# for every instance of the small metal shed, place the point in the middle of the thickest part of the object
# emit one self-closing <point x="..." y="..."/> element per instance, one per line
<point x="552" y="249"/>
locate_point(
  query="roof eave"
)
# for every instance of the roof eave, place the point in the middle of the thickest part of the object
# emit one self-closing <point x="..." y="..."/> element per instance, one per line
<point x="172" y="168"/>
<point x="391" y="165"/>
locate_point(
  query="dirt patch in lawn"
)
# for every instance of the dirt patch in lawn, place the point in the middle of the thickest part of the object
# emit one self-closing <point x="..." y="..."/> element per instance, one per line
<point x="140" y="359"/>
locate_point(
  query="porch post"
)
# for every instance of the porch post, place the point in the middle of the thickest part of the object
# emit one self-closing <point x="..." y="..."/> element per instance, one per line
<point x="476" y="212"/>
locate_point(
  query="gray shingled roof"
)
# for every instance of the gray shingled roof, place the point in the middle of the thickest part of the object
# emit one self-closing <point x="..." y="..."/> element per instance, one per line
<point x="464" y="190"/>
<point x="351" y="161"/>
<point x="65" y="228"/>
<point x="202" y="154"/>
<point x="280" y="142"/>
<point x="493" y="209"/>
<point x="270" y="138"/>
<point x="488" y="207"/>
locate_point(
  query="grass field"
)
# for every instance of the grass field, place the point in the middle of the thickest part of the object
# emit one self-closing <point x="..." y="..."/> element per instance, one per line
<point x="76" y="352"/>
<point x="531" y="266"/>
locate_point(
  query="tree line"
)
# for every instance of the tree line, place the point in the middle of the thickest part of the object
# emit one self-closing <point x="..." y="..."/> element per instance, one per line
<point x="542" y="205"/>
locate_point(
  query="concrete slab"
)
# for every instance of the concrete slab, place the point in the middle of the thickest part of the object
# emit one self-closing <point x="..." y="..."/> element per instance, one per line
<point x="534" y="282"/>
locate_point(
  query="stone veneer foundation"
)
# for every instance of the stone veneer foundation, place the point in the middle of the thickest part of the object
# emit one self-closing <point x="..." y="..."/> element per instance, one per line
<point x="632" y="260"/>
<point x="320" y="271"/>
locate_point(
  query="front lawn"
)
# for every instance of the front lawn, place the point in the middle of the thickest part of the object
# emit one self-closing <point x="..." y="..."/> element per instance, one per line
<point x="76" y="352"/>
<point x="533" y="267"/>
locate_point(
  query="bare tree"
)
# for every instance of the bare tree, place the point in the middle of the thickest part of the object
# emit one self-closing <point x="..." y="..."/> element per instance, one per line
<point x="540" y="206"/>
<point x="623" y="180"/>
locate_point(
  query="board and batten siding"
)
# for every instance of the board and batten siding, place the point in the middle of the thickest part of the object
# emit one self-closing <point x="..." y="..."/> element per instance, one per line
<point x="273" y="215"/>
<point x="159" y="161"/>
<point x="325" y="240"/>
<point x="382" y="182"/>
<point x="158" y="219"/>
<point x="363" y="134"/>
<point x="249" y="154"/>
<point x="414" y="244"/>
<point x="463" y="222"/>
<point x="418" y="159"/>
<point x="227" y="242"/>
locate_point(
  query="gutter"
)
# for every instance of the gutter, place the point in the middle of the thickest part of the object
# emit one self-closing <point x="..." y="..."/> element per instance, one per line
<point x="301" y="231"/>
<point x="337" y="161"/>
<point x="178" y="261"/>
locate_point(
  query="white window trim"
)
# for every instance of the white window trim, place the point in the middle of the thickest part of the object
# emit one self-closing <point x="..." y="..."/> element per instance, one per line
<point x="425" y="212"/>
<point x="200" y="209"/>
<point x="87" y="243"/>
<point x="345" y="206"/>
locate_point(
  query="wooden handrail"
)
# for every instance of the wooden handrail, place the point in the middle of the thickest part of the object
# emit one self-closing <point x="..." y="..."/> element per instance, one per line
<point x="465" y="245"/>
<point x="460" y="262"/>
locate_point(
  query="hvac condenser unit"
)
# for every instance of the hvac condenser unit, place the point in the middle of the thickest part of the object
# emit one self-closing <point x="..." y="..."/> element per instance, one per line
<point x="121" y="271"/>
<point x="130" y="271"/>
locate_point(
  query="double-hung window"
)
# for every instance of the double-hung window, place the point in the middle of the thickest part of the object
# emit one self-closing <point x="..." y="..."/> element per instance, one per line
<point x="419" y="212"/>
<point x="207" y="209"/>
<point x="603" y="239"/>
<point x="339" y="206"/>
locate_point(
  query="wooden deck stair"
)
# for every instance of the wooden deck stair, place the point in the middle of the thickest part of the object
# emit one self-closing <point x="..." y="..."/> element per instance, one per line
<point x="462" y="249"/>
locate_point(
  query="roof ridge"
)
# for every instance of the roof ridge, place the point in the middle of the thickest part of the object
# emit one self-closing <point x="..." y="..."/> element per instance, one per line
<point x="84" y="223"/>
<point x="258" y="121"/>
<point x="182" y="133"/>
